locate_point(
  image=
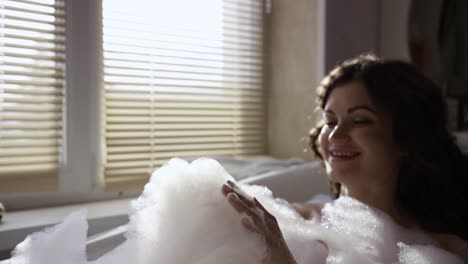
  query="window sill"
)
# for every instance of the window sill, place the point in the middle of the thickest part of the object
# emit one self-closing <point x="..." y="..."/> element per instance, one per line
<point x="16" y="226"/>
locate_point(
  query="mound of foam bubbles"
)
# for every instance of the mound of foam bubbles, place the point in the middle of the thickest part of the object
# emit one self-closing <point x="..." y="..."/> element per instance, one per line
<point x="182" y="217"/>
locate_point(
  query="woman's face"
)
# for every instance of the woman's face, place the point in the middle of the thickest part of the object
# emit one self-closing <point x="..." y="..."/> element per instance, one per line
<point x="356" y="141"/>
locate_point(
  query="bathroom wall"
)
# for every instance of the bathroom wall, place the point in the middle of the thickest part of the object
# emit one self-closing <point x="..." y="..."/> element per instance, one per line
<point x="352" y="28"/>
<point x="292" y="76"/>
<point x="309" y="37"/>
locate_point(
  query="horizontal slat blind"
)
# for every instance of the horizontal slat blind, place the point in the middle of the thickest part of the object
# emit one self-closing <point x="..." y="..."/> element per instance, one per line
<point x="183" y="78"/>
<point x="32" y="59"/>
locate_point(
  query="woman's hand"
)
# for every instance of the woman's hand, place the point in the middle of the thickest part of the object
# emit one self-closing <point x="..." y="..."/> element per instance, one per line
<point x="262" y="222"/>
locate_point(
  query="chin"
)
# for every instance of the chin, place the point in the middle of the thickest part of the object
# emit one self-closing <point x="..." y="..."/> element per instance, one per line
<point x="341" y="176"/>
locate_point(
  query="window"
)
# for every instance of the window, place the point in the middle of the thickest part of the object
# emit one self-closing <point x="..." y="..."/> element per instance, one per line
<point x="146" y="80"/>
<point x="32" y="66"/>
<point x="182" y="79"/>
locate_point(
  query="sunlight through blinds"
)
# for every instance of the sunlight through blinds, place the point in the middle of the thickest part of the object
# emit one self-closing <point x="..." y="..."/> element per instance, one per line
<point x="32" y="59"/>
<point x="183" y="78"/>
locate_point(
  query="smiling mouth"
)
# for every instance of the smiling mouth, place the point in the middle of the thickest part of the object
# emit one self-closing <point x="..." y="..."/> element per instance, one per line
<point x="343" y="154"/>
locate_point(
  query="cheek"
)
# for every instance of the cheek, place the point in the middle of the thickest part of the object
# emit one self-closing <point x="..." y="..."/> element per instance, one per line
<point x="323" y="139"/>
<point x="379" y="142"/>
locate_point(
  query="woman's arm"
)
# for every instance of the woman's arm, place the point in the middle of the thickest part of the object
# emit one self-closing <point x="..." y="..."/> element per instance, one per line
<point x="262" y="222"/>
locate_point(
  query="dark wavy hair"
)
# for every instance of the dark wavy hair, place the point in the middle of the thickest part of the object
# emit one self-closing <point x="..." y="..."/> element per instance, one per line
<point x="432" y="182"/>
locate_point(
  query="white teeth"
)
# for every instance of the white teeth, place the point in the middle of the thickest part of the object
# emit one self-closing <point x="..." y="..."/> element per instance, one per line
<point x="344" y="154"/>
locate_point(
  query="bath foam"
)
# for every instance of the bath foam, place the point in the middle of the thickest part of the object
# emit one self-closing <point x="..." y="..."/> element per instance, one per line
<point x="62" y="243"/>
<point x="182" y="217"/>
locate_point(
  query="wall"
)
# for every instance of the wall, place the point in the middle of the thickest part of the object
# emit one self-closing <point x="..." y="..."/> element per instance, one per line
<point x="292" y="76"/>
<point x="352" y="28"/>
<point x="308" y="38"/>
<point x="393" y="29"/>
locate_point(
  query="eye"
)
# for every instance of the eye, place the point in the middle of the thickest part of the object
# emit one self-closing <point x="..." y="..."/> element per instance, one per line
<point x="362" y="121"/>
<point x="330" y="123"/>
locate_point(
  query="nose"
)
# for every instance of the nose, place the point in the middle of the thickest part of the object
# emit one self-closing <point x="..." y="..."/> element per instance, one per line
<point x="340" y="133"/>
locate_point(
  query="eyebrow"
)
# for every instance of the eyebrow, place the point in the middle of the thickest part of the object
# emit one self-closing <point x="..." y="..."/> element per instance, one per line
<point x="355" y="108"/>
<point x="361" y="107"/>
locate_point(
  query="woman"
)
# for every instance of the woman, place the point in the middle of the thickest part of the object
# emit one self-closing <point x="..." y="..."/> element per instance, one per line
<point x="383" y="141"/>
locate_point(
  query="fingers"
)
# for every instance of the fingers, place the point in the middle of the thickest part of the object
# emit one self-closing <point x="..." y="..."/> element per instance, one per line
<point x="225" y="189"/>
<point x="243" y="196"/>
<point x="236" y="203"/>
<point x="259" y="204"/>
<point x="233" y="188"/>
<point x="248" y="224"/>
<point x="240" y="200"/>
<point x="241" y="207"/>
<point x="260" y="219"/>
<point x="269" y="217"/>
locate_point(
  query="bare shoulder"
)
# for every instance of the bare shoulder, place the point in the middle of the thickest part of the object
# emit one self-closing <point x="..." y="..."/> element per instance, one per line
<point x="453" y="244"/>
<point x="310" y="211"/>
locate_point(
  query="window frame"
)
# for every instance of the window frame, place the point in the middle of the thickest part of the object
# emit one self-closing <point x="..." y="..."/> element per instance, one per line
<point x="83" y="70"/>
<point x="81" y="173"/>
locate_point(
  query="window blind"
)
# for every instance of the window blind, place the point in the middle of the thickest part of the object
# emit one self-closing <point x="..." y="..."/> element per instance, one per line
<point x="32" y="56"/>
<point x="182" y="79"/>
